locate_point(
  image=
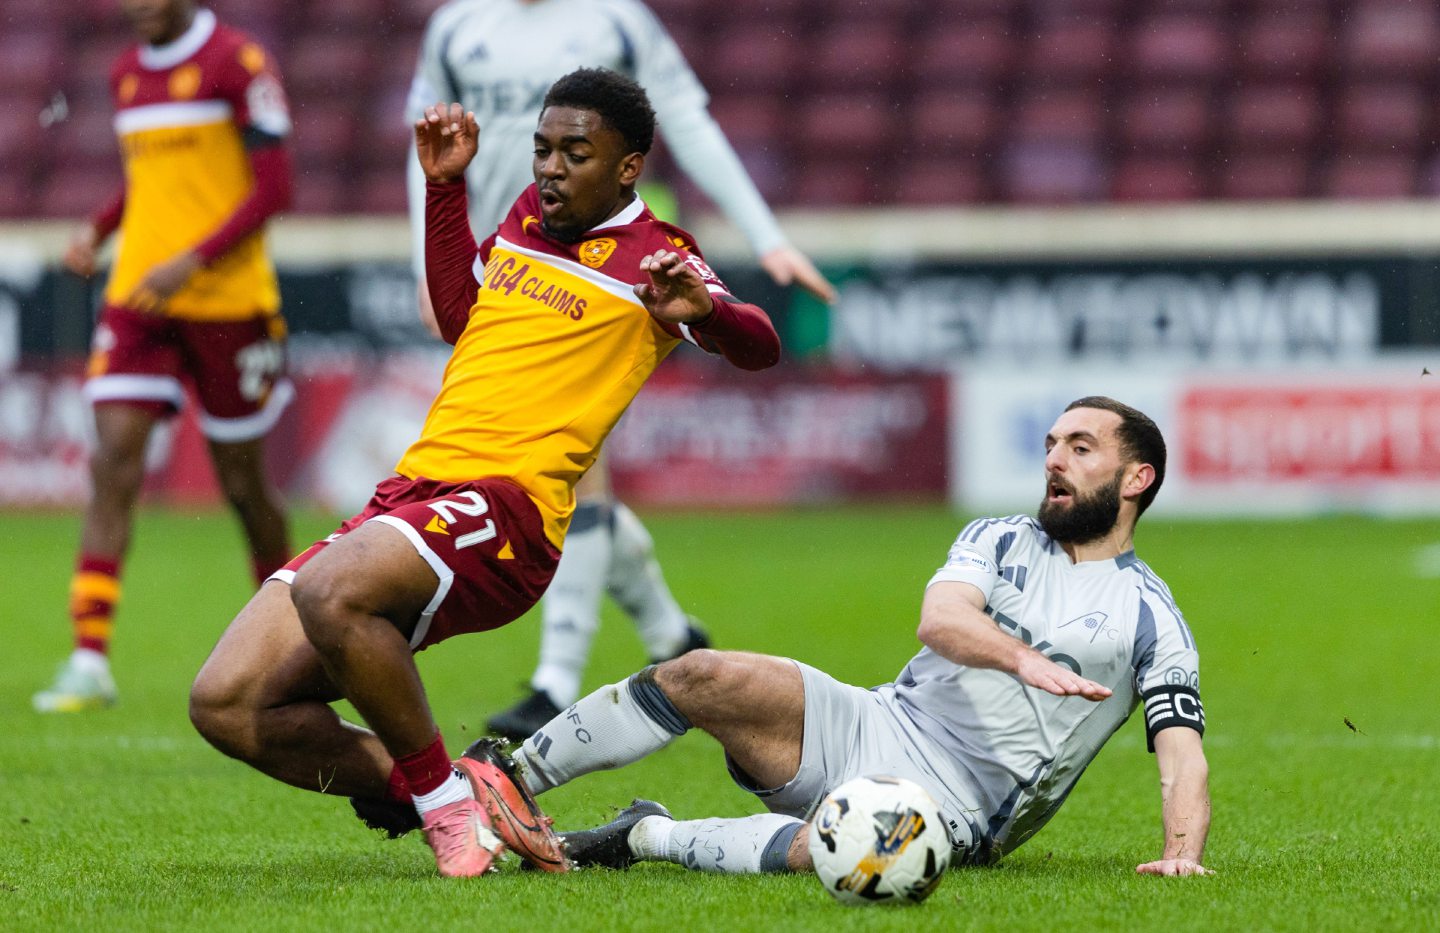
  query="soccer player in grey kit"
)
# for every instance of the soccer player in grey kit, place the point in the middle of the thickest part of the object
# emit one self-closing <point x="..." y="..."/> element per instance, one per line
<point x="1042" y="635"/>
<point x="497" y="58"/>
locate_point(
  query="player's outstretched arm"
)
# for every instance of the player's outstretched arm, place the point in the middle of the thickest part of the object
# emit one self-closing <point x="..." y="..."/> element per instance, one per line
<point x="446" y="139"/>
<point x="83" y="249"/>
<point x="954" y="625"/>
<point x="788" y="266"/>
<point x="1185" y="806"/>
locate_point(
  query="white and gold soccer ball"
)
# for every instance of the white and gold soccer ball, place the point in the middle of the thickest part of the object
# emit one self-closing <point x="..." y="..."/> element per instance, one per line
<point x="879" y="840"/>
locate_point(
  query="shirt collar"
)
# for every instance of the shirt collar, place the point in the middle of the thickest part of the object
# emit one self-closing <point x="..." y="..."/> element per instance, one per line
<point x="631" y="212"/>
<point x="160" y="57"/>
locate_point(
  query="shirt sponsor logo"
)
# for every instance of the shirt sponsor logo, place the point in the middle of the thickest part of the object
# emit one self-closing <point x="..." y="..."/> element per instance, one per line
<point x="593" y="253"/>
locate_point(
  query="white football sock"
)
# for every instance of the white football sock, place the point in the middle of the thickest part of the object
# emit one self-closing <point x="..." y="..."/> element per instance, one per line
<point x="455" y="788"/>
<point x="612" y="727"/>
<point x="570" y="612"/>
<point x="636" y="583"/>
<point x="741" y="846"/>
<point x="89" y="660"/>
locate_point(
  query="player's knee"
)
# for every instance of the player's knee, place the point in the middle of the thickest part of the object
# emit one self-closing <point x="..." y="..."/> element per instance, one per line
<point x="219" y="713"/>
<point x="321" y="599"/>
<point x="697" y="678"/>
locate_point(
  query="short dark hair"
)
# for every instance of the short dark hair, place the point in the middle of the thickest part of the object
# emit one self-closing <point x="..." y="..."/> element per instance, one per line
<point x="619" y="101"/>
<point x="1140" y="440"/>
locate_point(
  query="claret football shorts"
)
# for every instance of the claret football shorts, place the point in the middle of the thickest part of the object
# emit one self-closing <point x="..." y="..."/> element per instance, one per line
<point x="484" y="539"/>
<point x="237" y="369"/>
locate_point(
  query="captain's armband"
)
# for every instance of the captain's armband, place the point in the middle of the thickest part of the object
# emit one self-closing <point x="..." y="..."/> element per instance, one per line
<point x="1172" y="705"/>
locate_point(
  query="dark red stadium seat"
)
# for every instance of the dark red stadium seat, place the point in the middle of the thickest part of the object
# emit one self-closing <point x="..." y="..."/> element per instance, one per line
<point x="1392" y="38"/>
<point x="1058" y="116"/>
<point x="1375" y="117"/>
<point x="319" y="189"/>
<point x="756" y="121"/>
<point x="87" y="137"/>
<point x="324" y="133"/>
<point x="380" y="192"/>
<point x="352" y="17"/>
<point x="1071" y="51"/>
<point x="17" y="194"/>
<point x="1158" y="178"/>
<point x="752" y="58"/>
<point x="1180" y="49"/>
<point x="857" y="57"/>
<point x="1370" y="177"/>
<point x="1273" y="117"/>
<point x="328" y="66"/>
<point x="1283" y="44"/>
<point x="1281" y="176"/>
<point x="963" y="120"/>
<point x="22" y="138"/>
<point x="942" y="182"/>
<point x="30" y="61"/>
<point x="1165" y="120"/>
<point x="847" y="125"/>
<point x="87" y="72"/>
<point x="980" y="53"/>
<point x="78" y="192"/>
<point x="828" y="182"/>
<point x="1052" y="173"/>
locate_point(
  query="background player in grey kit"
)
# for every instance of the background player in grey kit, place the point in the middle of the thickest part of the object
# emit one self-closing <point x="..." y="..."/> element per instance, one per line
<point x="498" y="57"/>
<point x="1041" y="636"/>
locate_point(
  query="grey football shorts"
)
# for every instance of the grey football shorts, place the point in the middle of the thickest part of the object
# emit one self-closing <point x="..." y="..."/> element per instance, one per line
<point x="852" y="732"/>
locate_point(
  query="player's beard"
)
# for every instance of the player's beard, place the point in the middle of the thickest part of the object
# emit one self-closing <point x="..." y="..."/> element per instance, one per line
<point x="1088" y="517"/>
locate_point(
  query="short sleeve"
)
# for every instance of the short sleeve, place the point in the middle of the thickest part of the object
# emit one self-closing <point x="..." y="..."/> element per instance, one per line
<point x="1167" y="665"/>
<point x="251" y="82"/>
<point x="972" y="558"/>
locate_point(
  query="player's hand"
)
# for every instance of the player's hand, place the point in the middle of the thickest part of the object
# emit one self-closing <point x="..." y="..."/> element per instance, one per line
<point x="446" y="138"/>
<point x="1173" y="867"/>
<point x="162" y="281"/>
<point x="1036" y="670"/>
<point x="787" y="265"/>
<point x="675" y="293"/>
<point x="82" y="251"/>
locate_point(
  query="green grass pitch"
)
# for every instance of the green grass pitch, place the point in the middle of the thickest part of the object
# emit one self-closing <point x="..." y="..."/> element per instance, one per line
<point x="126" y="820"/>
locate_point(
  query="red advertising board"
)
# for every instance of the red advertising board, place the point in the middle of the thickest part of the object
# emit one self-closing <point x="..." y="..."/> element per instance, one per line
<point x="703" y="434"/>
<point x="1311" y="432"/>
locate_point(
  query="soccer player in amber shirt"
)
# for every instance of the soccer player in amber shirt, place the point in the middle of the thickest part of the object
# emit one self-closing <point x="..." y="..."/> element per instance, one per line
<point x="202" y="121"/>
<point x="557" y="320"/>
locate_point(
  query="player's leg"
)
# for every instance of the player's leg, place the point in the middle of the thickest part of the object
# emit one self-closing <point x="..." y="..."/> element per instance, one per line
<point x="117" y="469"/>
<point x="238" y="368"/>
<point x="240" y="468"/>
<point x="646" y="832"/>
<point x="637" y="585"/>
<point x="569" y="614"/>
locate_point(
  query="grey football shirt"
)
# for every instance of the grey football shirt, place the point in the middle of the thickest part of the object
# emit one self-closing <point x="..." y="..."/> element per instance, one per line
<point x="499" y="57"/>
<point x="1111" y="621"/>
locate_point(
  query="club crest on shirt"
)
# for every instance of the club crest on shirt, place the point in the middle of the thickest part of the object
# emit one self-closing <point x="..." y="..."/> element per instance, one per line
<point x="593" y="253"/>
<point x="185" y="81"/>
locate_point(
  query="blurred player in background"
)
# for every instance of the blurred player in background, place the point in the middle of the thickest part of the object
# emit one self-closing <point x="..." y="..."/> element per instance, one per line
<point x="202" y="122"/>
<point x="498" y="57"/>
<point x="557" y="319"/>
<point x="1042" y="635"/>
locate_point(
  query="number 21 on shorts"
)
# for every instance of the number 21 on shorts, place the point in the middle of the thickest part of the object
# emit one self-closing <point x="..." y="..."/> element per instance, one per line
<point x="475" y="507"/>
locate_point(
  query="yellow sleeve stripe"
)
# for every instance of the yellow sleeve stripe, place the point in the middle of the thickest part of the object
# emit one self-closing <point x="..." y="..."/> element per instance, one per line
<point x="180" y="113"/>
<point x="605" y="283"/>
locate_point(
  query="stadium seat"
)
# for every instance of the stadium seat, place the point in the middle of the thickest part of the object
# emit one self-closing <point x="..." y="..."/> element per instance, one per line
<point x="1273" y="117"/>
<point x="1279" y="176"/>
<point x="1370" y="177"/>
<point x="75" y="193"/>
<point x="380" y="192"/>
<point x="828" y="182"/>
<point x="1071" y="52"/>
<point x="87" y="73"/>
<point x="1391" y="39"/>
<point x="856" y="57"/>
<point x="1376" y="117"/>
<point x="751" y="122"/>
<point x="1058" y="116"/>
<point x="328" y="66"/>
<point x="951" y="121"/>
<point x="1174" y="48"/>
<point x="751" y="59"/>
<point x="86" y="138"/>
<point x="847" y="125"/>
<point x="941" y="182"/>
<point x="321" y="190"/>
<point x="16" y="194"/>
<point x="965" y="54"/>
<point x="29" y="60"/>
<point x="1040" y="172"/>
<point x="324" y="133"/>
<point x="1158" y="178"/>
<point x="1284" y="44"/>
<point x="351" y="18"/>
<point x="1165" y="120"/>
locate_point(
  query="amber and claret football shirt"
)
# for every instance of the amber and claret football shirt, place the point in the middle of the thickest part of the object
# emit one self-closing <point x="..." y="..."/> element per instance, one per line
<point x="551" y="344"/>
<point x="182" y="112"/>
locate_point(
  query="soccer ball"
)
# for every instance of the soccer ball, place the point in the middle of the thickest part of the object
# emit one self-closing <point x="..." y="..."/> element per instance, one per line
<point x="879" y="840"/>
